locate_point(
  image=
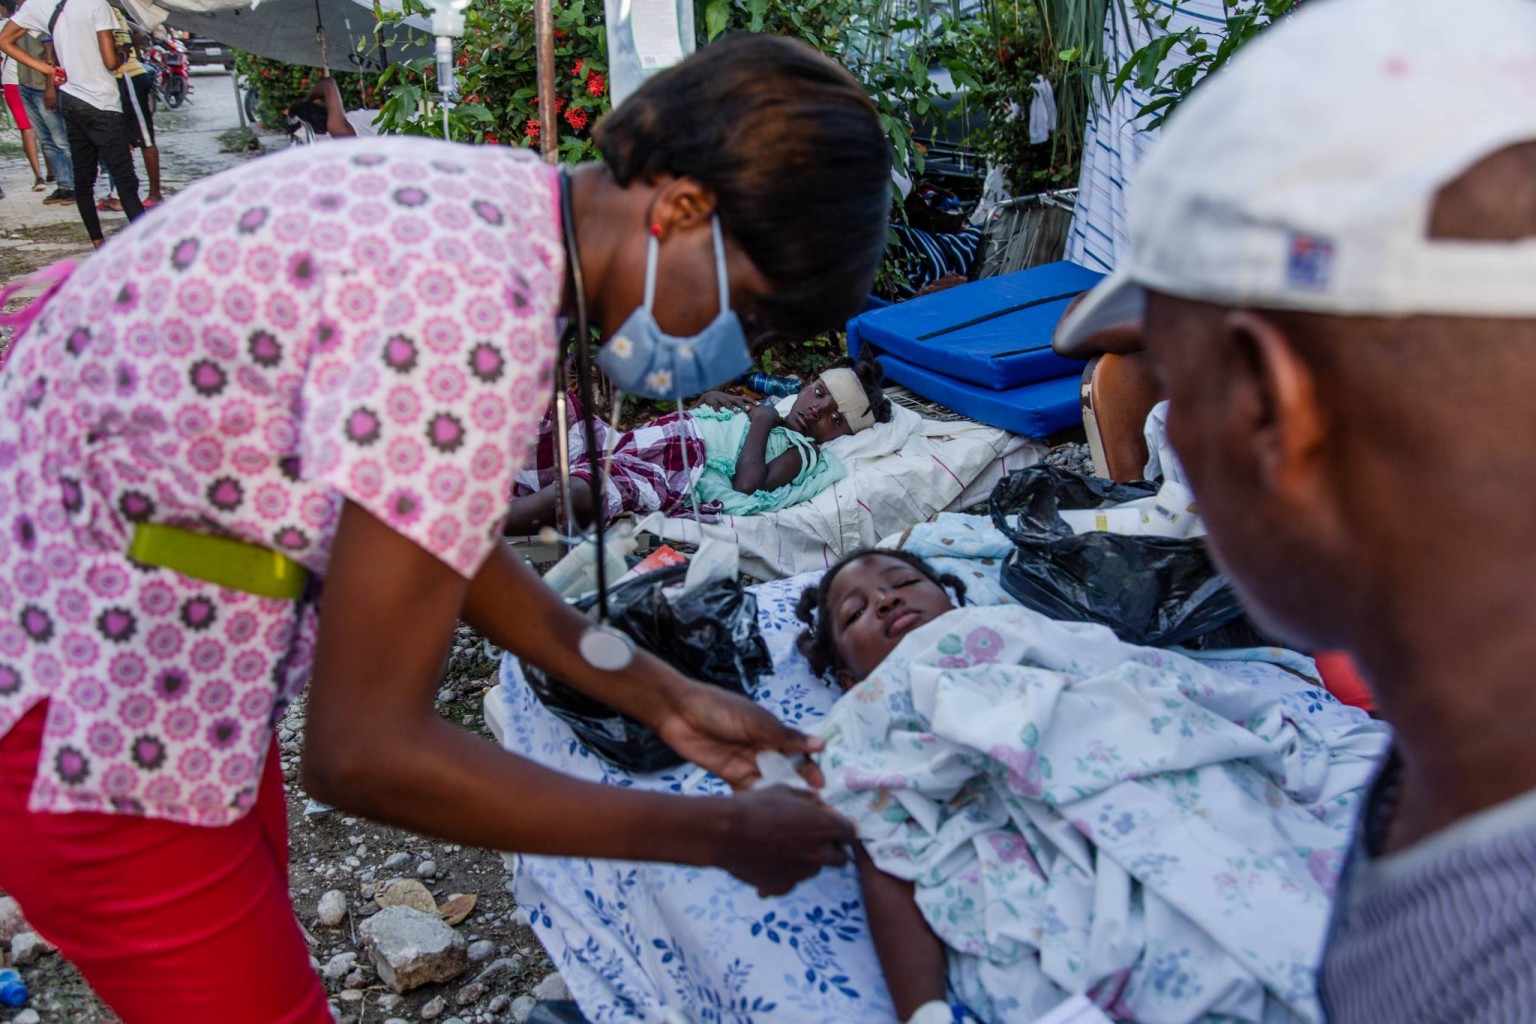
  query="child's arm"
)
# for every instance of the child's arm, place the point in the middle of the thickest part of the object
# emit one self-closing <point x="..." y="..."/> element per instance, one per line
<point x="724" y="401"/>
<point x="753" y="470"/>
<point x="911" y="956"/>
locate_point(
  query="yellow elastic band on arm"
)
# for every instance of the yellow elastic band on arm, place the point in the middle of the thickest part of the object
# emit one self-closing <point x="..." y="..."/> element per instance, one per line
<point x="233" y="564"/>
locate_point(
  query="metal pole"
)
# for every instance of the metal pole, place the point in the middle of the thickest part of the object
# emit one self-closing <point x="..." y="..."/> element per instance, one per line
<point x="234" y="76"/>
<point x="544" y="44"/>
<point x="544" y="41"/>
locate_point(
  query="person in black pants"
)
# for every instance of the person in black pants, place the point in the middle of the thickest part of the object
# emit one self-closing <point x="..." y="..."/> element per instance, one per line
<point x="99" y="136"/>
<point x="85" y="46"/>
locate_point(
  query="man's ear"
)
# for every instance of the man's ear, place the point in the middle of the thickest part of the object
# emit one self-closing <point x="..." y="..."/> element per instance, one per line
<point x="681" y="204"/>
<point x="1280" y="417"/>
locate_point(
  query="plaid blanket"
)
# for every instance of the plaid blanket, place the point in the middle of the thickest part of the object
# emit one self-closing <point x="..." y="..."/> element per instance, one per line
<point x="647" y="473"/>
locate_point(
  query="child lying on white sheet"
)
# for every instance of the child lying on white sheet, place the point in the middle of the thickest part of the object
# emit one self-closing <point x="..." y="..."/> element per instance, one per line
<point x="729" y="455"/>
<point x="1047" y="811"/>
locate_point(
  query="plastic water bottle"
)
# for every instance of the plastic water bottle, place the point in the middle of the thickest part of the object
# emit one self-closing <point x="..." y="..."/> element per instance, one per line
<point x="13" y="991"/>
<point x="777" y="387"/>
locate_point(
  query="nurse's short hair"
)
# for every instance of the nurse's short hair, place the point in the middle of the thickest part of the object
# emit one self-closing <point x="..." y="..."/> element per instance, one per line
<point x="792" y="148"/>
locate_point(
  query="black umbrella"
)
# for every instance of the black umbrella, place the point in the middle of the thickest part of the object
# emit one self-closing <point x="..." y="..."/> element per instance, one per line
<point x="343" y="35"/>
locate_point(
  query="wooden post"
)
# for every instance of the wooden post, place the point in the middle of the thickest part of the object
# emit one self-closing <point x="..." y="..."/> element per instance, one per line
<point x="544" y="42"/>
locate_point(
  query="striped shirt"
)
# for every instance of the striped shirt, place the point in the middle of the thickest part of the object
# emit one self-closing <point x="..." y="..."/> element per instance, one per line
<point x="1444" y="931"/>
<point x="925" y="256"/>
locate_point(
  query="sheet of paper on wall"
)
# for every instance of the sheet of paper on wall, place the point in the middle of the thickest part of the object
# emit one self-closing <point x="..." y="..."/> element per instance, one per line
<point x="653" y="24"/>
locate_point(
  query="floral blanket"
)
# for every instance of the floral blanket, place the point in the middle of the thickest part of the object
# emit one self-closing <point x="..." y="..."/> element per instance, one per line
<point x="1079" y="815"/>
<point x="653" y="943"/>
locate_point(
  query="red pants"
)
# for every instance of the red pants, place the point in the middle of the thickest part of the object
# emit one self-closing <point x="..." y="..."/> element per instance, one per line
<point x="167" y="922"/>
<point x="18" y="112"/>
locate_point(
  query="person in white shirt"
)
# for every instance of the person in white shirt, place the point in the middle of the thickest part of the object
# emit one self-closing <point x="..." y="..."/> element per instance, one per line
<point x="86" y="49"/>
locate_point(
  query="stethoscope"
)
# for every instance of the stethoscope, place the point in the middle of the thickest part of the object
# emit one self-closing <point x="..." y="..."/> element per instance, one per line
<point x="602" y="646"/>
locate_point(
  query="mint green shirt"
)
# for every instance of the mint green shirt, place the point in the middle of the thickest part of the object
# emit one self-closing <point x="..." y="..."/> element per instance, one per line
<point x="724" y="433"/>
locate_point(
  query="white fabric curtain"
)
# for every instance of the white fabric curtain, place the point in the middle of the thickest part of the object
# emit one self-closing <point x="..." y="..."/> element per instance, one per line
<point x="1115" y="140"/>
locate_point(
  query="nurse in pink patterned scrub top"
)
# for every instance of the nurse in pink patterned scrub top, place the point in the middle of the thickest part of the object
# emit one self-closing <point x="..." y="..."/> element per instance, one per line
<point x="342" y="355"/>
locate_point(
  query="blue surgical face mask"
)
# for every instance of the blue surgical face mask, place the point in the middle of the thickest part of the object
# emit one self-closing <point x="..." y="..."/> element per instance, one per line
<point x="643" y="360"/>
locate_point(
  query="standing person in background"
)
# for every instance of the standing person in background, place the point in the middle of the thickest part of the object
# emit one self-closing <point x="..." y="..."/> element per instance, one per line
<point x="40" y="99"/>
<point x="86" y="49"/>
<point x="133" y="92"/>
<point x="11" y="86"/>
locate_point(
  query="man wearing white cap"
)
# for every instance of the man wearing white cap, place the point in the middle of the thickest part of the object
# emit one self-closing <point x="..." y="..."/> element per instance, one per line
<point x="1334" y="252"/>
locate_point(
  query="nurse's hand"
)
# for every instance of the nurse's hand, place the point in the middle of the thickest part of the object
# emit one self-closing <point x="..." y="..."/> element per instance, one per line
<point x="723" y="732"/>
<point x="779" y="837"/>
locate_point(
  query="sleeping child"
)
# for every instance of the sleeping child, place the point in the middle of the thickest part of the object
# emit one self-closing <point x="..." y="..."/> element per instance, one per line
<point x="727" y="456"/>
<point x="1046" y="812"/>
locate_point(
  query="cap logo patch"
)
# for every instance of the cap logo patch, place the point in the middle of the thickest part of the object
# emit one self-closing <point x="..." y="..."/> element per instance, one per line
<point x="1310" y="266"/>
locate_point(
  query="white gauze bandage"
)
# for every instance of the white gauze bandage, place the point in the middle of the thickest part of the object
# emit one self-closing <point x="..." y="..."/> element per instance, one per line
<point x="847" y="391"/>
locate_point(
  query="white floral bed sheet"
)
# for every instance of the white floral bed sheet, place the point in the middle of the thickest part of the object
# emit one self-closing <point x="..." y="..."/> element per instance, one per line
<point x="654" y="943"/>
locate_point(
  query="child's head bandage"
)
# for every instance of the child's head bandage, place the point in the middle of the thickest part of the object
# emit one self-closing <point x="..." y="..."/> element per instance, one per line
<point x="848" y="392"/>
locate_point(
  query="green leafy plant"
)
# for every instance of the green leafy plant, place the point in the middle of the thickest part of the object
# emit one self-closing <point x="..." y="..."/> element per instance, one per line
<point x="891" y="46"/>
<point x="1072" y="52"/>
<point x="1168" y="84"/>
<point x="1014" y="44"/>
<point x="498" y="77"/>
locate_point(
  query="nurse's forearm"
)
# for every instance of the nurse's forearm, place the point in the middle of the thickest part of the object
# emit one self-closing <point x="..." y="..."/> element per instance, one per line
<point x="429" y="776"/>
<point x="375" y="745"/>
<point x="509" y="605"/>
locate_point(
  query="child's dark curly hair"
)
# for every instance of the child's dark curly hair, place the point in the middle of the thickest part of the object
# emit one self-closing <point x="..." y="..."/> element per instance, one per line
<point x="872" y="376"/>
<point x="816" y="641"/>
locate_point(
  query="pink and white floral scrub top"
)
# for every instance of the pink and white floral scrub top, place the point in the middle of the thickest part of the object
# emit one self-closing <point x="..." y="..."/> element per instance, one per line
<point x="372" y="321"/>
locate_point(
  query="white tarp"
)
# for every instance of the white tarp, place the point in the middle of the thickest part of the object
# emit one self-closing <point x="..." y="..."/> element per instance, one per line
<point x="1115" y="140"/>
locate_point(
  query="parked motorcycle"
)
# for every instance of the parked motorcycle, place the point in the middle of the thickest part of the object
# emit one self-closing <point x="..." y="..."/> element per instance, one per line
<point x="167" y="64"/>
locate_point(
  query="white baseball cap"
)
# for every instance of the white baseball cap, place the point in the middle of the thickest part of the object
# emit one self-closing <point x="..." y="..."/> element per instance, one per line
<point x="1303" y="175"/>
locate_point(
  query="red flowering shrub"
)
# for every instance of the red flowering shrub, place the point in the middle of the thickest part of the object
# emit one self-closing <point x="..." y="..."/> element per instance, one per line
<point x="498" y="78"/>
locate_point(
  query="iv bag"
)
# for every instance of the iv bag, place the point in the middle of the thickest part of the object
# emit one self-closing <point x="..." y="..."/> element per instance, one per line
<point x="644" y="37"/>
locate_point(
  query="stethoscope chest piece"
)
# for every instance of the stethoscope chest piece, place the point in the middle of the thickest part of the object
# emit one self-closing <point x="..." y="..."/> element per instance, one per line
<point x="606" y="649"/>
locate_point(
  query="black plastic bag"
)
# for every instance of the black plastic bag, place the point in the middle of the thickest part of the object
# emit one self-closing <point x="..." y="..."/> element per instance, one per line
<point x="710" y="634"/>
<point x="1156" y="591"/>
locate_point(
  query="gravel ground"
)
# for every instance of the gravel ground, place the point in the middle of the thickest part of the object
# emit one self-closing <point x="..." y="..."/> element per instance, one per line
<point x="1073" y="456"/>
<point x="333" y="851"/>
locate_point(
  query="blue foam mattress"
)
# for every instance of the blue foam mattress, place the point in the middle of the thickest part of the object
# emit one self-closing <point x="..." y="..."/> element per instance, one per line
<point x="994" y="333"/>
<point x="1032" y="410"/>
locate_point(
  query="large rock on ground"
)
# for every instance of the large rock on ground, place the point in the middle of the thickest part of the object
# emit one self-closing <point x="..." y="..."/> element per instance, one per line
<point x="411" y="948"/>
<point x="28" y="947"/>
<point x="11" y="921"/>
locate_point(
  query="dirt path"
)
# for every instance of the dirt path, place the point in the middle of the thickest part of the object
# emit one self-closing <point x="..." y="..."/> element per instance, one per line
<point x="201" y="138"/>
